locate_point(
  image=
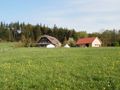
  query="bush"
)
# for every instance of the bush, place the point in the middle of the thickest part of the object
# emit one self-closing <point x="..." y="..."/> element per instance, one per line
<point x="19" y="44"/>
<point x="115" y="44"/>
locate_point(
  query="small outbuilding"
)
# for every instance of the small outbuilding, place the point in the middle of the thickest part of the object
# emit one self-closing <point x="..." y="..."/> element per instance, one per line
<point x="89" y="42"/>
<point x="66" y="46"/>
<point x="46" y="40"/>
<point x="50" y="46"/>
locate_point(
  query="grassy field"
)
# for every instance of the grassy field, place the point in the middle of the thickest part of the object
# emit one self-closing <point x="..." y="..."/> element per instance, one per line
<point x="59" y="69"/>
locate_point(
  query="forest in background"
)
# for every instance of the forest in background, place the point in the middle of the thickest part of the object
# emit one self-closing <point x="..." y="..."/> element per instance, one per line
<point x="15" y="32"/>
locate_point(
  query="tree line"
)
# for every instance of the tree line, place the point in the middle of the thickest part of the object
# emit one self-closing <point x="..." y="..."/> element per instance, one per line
<point x="10" y="32"/>
<point x="16" y="31"/>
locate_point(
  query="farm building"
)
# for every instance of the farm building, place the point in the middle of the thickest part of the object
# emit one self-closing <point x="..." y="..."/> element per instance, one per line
<point x="47" y="40"/>
<point x="66" y="46"/>
<point x="89" y="42"/>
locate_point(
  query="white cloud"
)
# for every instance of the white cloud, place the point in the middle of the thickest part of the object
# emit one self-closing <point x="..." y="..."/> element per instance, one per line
<point x="90" y="15"/>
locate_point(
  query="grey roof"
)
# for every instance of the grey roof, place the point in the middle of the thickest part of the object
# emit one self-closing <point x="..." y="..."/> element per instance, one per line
<point x="53" y="40"/>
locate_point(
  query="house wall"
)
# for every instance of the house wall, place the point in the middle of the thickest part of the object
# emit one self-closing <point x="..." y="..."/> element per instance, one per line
<point x="85" y="45"/>
<point x="96" y="43"/>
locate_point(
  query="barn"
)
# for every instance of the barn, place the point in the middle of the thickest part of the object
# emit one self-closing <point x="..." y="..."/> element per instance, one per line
<point x="89" y="42"/>
<point x="46" y="40"/>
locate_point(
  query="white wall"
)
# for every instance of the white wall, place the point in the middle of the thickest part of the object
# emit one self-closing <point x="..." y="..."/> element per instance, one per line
<point x="96" y="43"/>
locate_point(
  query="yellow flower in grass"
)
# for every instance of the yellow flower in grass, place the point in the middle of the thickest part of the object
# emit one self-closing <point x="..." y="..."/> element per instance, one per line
<point x="113" y="65"/>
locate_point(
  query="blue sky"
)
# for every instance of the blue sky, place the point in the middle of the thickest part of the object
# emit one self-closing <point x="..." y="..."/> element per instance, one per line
<point x="82" y="15"/>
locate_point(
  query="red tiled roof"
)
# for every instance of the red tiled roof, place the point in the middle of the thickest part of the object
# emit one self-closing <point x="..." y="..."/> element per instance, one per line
<point x="85" y="40"/>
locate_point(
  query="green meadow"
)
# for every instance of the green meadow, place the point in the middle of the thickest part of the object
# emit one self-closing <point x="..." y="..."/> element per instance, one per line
<point x="59" y="69"/>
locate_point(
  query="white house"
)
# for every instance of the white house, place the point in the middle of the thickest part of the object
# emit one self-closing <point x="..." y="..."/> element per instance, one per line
<point x="89" y="42"/>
